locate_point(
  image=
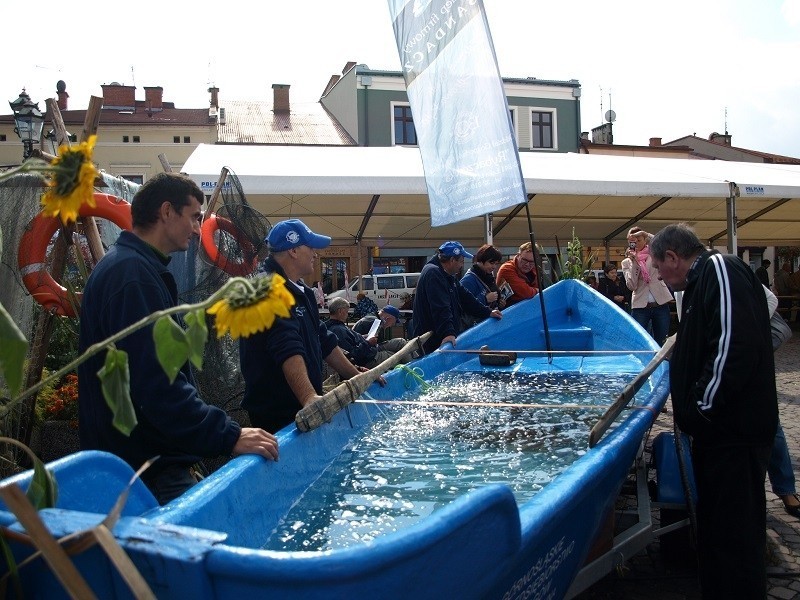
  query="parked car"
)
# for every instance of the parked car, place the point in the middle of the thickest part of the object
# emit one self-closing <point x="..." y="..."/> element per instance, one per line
<point x="388" y="288"/>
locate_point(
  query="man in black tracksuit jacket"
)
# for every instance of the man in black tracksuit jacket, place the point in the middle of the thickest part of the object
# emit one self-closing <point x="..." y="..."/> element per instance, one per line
<point x="722" y="379"/>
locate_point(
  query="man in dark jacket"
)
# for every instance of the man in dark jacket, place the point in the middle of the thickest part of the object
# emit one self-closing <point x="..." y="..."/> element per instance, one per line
<point x="440" y="298"/>
<point x="129" y="283"/>
<point x="354" y="345"/>
<point x="282" y="367"/>
<point x="722" y="379"/>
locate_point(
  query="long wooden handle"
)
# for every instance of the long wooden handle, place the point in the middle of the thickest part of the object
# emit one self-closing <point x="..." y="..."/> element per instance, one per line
<point x="628" y="393"/>
<point x="321" y="411"/>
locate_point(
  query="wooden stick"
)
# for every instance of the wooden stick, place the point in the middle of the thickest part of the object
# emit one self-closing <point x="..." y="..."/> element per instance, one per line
<point x="322" y="410"/>
<point x="90" y="230"/>
<point x="628" y="393"/>
<point x="165" y="163"/>
<point x="223" y="174"/>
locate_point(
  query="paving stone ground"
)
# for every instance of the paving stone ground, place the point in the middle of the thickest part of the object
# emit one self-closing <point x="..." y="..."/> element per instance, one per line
<point x="655" y="574"/>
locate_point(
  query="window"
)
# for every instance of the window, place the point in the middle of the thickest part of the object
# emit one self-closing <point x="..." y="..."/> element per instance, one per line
<point x="176" y="139"/>
<point x="136" y="139"/>
<point x="2" y="137"/>
<point x="541" y="129"/>
<point x="411" y="280"/>
<point x="187" y="139"/>
<point x="333" y="271"/>
<point x="366" y="284"/>
<point x="404" y="131"/>
<point x="391" y="283"/>
<point x="125" y="139"/>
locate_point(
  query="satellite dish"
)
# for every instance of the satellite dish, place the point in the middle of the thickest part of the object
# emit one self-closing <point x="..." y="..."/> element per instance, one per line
<point x="611" y="116"/>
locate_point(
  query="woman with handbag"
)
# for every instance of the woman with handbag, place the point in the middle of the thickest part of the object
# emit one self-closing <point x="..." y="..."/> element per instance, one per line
<point x="651" y="296"/>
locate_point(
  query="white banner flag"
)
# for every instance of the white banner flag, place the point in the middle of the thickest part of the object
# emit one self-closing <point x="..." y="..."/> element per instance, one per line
<point x="460" y="111"/>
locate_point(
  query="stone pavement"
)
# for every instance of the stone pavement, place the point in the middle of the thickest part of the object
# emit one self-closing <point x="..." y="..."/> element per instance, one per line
<point x="654" y="575"/>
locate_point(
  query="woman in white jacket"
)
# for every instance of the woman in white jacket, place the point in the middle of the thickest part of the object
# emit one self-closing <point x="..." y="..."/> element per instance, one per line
<point x="651" y="296"/>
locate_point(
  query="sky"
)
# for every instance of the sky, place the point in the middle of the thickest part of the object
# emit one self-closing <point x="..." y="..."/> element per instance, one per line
<point x="667" y="69"/>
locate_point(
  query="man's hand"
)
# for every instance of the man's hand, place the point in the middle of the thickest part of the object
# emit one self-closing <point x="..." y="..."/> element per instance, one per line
<point x="491" y="297"/>
<point x="495" y="314"/>
<point x="373" y="341"/>
<point x="256" y="441"/>
<point x="452" y="338"/>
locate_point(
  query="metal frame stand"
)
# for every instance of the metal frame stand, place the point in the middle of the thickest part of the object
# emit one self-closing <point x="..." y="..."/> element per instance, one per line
<point x="633" y="539"/>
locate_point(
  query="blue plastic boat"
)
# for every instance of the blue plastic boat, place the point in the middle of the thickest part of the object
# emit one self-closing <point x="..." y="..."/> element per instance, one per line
<point x="208" y="543"/>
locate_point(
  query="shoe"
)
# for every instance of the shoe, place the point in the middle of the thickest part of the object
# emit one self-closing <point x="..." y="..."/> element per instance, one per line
<point x="793" y="510"/>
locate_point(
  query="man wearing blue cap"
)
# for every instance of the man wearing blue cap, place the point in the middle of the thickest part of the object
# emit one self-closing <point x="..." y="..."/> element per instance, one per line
<point x="385" y="344"/>
<point x="440" y="298"/>
<point x="282" y="367"/>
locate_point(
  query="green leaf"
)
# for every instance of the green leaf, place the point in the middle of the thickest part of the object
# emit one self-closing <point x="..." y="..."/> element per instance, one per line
<point x="115" y="379"/>
<point x="43" y="490"/>
<point x="13" y="349"/>
<point x="196" y="336"/>
<point x="172" y="347"/>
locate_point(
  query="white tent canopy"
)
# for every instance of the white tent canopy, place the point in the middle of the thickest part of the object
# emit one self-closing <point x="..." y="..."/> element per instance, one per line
<point x="378" y="196"/>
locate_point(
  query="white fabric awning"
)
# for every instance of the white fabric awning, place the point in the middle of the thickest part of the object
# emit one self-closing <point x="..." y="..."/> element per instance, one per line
<point x="334" y="190"/>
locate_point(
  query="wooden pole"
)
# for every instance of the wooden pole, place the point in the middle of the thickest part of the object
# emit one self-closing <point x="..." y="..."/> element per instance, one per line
<point x="165" y="163"/>
<point x="223" y="174"/>
<point x="90" y="125"/>
<point x="45" y="320"/>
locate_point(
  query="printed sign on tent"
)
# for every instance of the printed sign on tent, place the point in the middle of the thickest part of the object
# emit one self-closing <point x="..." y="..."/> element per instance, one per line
<point x="460" y="111"/>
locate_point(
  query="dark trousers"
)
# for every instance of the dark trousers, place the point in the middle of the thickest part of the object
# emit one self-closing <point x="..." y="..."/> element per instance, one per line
<point x="169" y="483"/>
<point x="731" y="520"/>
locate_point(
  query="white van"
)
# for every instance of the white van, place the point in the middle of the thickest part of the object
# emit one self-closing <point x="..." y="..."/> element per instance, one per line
<point x="387" y="288"/>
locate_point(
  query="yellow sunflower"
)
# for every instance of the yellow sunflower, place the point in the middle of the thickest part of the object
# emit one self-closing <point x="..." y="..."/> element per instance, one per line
<point x="71" y="181"/>
<point x="245" y="312"/>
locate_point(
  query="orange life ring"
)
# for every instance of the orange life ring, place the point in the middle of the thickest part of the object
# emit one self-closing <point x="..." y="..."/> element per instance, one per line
<point x="32" y="252"/>
<point x="232" y="266"/>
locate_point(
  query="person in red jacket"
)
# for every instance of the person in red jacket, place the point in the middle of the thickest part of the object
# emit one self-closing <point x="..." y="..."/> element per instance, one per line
<point x="519" y="275"/>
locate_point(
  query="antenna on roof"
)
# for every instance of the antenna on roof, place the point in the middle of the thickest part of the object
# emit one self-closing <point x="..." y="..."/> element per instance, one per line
<point x="133" y="77"/>
<point x="726" y="120"/>
<point x="601" y="102"/>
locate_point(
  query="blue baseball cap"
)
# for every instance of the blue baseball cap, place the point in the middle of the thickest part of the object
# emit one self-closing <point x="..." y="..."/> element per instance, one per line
<point x="453" y="249"/>
<point x="292" y="233"/>
<point x="391" y="310"/>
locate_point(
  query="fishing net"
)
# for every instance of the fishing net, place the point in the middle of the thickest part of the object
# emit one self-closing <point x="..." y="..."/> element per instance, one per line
<point x="43" y="269"/>
<point x="37" y="258"/>
<point x="236" y="244"/>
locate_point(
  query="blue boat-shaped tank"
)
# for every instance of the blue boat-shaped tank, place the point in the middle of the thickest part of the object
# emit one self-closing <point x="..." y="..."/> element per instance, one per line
<point x="207" y="543"/>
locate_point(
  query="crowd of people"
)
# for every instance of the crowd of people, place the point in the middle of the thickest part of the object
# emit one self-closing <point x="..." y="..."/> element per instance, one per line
<point x="721" y="370"/>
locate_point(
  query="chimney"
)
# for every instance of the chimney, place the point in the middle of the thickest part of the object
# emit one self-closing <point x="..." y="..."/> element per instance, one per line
<point x="214" y="91"/>
<point x="723" y="139"/>
<point x="61" y="89"/>
<point x="331" y="82"/>
<point x="154" y="98"/>
<point x="655" y="142"/>
<point x="118" y="96"/>
<point x="280" y="101"/>
<point x="348" y="65"/>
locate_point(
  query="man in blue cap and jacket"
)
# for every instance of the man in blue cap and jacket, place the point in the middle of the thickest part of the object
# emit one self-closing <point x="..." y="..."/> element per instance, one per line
<point x="440" y="298"/>
<point x="282" y="366"/>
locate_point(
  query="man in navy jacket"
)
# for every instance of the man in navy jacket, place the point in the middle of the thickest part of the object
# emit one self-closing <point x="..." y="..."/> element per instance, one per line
<point x="440" y="298"/>
<point x="282" y="367"/>
<point x="722" y="380"/>
<point x="129" y="283"/>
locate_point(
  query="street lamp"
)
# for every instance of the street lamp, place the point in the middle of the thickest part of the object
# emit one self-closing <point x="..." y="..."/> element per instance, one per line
<point x="29" y="121"/>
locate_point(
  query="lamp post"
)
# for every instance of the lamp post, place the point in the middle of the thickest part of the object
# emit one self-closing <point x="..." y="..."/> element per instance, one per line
<point x="29" y="121"/>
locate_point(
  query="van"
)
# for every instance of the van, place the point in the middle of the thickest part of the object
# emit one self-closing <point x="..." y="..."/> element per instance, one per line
<point x="387" y="288"/>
